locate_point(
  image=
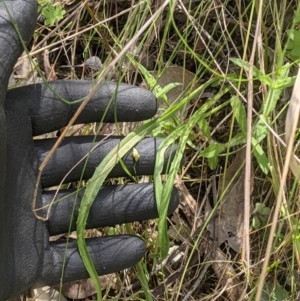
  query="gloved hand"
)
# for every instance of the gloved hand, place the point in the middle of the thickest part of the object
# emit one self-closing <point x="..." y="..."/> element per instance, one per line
<point x="27" y="258"/>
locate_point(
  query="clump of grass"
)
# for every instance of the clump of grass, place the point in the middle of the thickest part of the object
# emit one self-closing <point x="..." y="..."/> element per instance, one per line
<point x="243" y="56"/>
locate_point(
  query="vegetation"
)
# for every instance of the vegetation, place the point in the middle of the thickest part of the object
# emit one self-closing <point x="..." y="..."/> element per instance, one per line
<point x="230" y="67"/>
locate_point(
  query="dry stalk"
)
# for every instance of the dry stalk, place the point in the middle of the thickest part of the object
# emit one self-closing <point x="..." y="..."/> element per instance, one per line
<point x="291" y="125"/>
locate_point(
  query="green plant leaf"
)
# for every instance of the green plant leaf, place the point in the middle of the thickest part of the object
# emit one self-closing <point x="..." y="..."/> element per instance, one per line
<point x="265" y="211"/>
<point x="213" y="162"/>
<point x="260" y="156"/>
<point x="293" y="34"/>
<point x="205" y="128"/>
<point x="213" y="150"/>
<point x="260" y="129"/>
<point x="274" y="292"/>
<point x="255" y="223"/>
<point x="256" y="72"/>
<point x="52" y="14"/>
<point x="94" y="185"/>
<point x="166" y="89"/>
<point x="295" y="52"/>
<point x="259" y="207"/>
<point x="238" y="139"/>
<point x="239" y="113"/>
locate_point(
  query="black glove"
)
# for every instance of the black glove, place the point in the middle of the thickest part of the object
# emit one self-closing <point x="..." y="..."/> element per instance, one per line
<point x="27" y="258"/>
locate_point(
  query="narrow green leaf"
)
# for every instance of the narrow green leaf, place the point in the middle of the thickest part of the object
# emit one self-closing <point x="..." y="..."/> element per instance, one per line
<point x="213" y="150"/>
<point x="239" y="113"/>
<point x="256" y="72"/>
<point x="213" y="162"/>
<point x="205" y="128"/>
<point x="94" y="185"/>
<point x="167" y="88"/>
<point x="260" y="129"/>
<point x="260" y="156"/>
<point x="238" y="139"/>
<point x="118" y="152"/>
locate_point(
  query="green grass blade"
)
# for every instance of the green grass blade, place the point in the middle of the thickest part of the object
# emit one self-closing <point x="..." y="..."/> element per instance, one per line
<point x="92" y="188"/>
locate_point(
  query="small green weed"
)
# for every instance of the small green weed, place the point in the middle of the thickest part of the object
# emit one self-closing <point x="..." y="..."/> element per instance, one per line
<point x="293" y="46"/>
<point x="260" y="215"/>
<point x="51" y="12"/>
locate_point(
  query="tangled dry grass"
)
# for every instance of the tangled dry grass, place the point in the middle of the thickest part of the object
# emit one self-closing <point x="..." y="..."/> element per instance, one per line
<point x="220" y="231"/>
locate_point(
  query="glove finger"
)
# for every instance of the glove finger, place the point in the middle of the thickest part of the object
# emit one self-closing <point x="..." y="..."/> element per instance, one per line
<point x="73" y="149"/>
<point x="116" y="102"/>
<point x="113" y="205"/>
<point x="109" y="254"/>
<point x="24" y="14"/>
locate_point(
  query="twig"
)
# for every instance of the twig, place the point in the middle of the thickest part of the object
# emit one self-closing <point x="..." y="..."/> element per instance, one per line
<point x="246" y="241"/>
